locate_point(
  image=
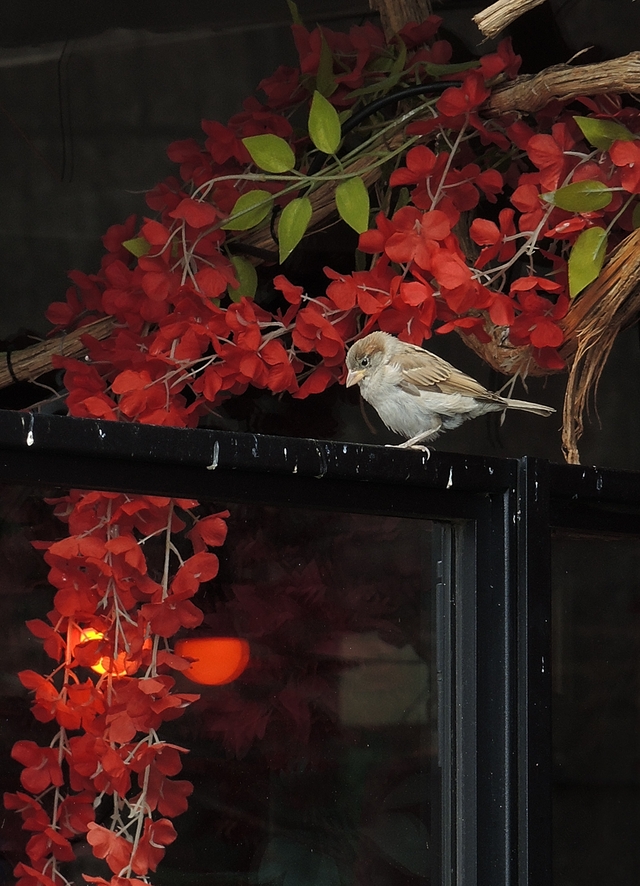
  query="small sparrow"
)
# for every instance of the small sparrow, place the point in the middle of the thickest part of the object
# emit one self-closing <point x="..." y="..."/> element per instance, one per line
<point x="416" y="393"/>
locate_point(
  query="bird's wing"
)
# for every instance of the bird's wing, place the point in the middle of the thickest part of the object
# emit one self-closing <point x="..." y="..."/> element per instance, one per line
<point x="424" y="370"/>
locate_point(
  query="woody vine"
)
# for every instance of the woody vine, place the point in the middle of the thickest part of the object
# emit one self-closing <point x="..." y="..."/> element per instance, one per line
<point x="488" y="226"/>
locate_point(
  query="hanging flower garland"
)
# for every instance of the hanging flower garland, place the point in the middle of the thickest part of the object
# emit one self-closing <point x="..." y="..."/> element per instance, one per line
<point x="111" y="620"/>
<point x="479" y="225"/>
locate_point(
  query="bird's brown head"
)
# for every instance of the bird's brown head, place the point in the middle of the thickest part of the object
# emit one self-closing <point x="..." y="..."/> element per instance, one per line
<point x="365" y="355"/>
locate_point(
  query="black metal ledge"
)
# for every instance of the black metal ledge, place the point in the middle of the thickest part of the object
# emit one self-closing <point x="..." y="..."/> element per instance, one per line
<point x="218" y="465"/>
<point x="60" y="451"/>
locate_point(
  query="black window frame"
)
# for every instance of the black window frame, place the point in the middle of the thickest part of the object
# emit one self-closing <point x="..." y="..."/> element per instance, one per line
<point x="496" y="623"/>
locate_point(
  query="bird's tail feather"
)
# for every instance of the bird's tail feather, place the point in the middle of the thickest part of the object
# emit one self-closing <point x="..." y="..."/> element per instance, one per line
<point x="536" y="408"/>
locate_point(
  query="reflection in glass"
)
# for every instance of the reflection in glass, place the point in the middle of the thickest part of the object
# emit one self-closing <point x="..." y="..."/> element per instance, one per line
<point x="317" y="764"/>
<point x="596" y="711"/>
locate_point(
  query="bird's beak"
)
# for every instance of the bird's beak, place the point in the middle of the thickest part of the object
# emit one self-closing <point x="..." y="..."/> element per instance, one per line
<point x="354" y="377"/>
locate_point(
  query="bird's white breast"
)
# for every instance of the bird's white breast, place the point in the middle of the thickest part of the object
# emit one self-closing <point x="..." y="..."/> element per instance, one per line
<point x="409" y="413"/>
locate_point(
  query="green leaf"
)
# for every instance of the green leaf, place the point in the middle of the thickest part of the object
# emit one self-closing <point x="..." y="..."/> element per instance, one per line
<point x="324" y="124"/>
<point x="360" y="261"/>
<point x="249" y="210"/>
<point x="138" y="246"/>
<point x="380" y="86"/>
<point x="401" y="60"/>
<point x="404" y="198"/>
<point x="294" y="220"/>
<point x="247" y="277"/>
<point x="603" y="133"/>
<point x="635" y="217"/>
<point x="381" y="65"/>
<point x="293" y="12"/>
<point x="325" y="81"/>
<point x="586" y="259"/>
<point x="352" y="200"/>
<point x="586" y="196"/>
<point x="270" y="152"/>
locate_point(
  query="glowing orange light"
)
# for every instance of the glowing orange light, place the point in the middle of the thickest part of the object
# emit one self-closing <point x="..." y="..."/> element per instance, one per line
<point x="121" y="667"/>
<point x="216" y="660"/>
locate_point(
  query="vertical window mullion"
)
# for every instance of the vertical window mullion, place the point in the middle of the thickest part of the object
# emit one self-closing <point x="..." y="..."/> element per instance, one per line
<point x="496" y="837"/>
<point x="534" y="674"/>
<point x="466" y="702"/>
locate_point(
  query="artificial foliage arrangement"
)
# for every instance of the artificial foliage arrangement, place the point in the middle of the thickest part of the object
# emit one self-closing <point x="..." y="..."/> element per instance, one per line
<point x="467" y="216"/>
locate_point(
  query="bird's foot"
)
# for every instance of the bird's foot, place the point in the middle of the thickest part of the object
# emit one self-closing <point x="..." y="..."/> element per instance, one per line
<point x="409" y="445"/>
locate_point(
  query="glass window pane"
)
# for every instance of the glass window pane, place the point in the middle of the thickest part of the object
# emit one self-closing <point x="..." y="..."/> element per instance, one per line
<point x="317" y="761"/>
<point x="596" y="711"/>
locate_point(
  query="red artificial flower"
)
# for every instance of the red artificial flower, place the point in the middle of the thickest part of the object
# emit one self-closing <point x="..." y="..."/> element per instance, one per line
<point x="196" y="213"/>
<point x="526" y="198"/>
<point x="293" y="294"/>
<point x="537" y="323"/>
<point x="30" y="876"/>
<point x="49" y="842"/>
<point x="313" y="331"/>
<point x="354" y="289"/>
<point x="281" y="367"/>
<point x="255" y="119"/>
<point x="498" y="242"/>
<point x="412" y="312"/>
<point x="151" y="849"/>
<point x="42" y="767"/>
<point x="414" y="34"/>
<point x="115" y="850"/>
<point x="467" y="325"/>
<point x="209" y="531"/>
<point x="318" y="381"/>
<point x="547" y="152"/>
<point x="421" y="163"/>
<point x="503" y="60"/>
<point x="626" y="155"/>
<point x="282" y="88"/>
<point x="194" y="166"/>
<point x="168" y="796"/>
<point x="460" y="100"/>
<point x="223" y="144"/>
<point x="416" y="236"/>
<point x="116" y="234"/>
<point x="34" y="817"/>
<point x="168" y="616"/>
<point x="52" y="644"/>
<point x="76" y="813"/>
<point x="166" y="195"/>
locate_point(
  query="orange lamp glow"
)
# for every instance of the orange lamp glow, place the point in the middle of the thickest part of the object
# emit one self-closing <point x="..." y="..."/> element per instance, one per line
<point x="216" y="660"/>
<point x="121" y="667"/>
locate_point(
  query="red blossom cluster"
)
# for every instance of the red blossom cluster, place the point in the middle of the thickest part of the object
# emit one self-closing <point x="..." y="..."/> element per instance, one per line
<point x="186" y="338"/>
<point x="114" y="609"/>
<point x="187" y="334"/>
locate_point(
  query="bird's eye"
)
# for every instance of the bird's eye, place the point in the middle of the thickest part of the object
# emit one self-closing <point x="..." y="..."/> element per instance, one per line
<point x="364" y="361"/>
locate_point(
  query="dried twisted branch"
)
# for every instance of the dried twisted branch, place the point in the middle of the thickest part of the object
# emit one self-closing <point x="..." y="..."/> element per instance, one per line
<point x="531" y="93"/>
<point x="30" y="363"/>
<point x="609" y="305"/>
<point x="499" y="15"/>
<point x="594" y="320"/>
